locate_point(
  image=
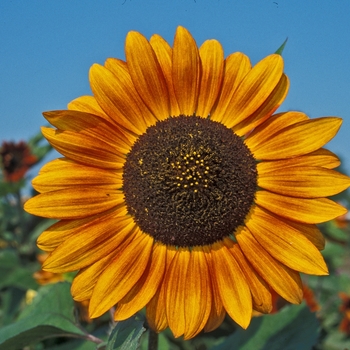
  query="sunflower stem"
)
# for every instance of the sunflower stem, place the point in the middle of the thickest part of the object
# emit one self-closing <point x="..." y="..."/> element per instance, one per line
<point x="152" y="340"/>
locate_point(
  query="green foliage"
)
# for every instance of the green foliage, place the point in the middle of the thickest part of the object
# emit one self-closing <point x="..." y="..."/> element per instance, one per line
<point x="51" y="314"/>
<point x="125" y="335"/>
<point x="294" y="327"/>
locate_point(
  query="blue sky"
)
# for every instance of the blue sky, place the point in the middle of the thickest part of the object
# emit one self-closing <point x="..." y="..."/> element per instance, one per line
<point x="47" y="48"/>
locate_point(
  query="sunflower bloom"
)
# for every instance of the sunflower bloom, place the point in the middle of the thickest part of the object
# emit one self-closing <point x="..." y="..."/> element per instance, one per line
<point x="180" y="191"/>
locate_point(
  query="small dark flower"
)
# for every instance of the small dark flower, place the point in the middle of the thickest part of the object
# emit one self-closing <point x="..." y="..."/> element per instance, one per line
<point x="16" y="159"/>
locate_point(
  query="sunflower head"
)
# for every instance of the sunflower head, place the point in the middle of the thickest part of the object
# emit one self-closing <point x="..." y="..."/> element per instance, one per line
<point x="181" y="191"/>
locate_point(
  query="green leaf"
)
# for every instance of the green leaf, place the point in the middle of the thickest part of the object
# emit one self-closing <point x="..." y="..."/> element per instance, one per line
<point x="125" y="335"/>
<point x="74" y="345"/>
<point x="294" y="327"/>
<point x="11" y="299"/>
<point x="49" y="315"/>
<point x="281" y="48"/>
<point x="8" y="259"/>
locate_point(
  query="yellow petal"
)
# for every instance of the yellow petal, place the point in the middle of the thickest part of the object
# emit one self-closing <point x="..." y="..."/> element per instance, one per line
<point x="304" y="181"/>
<point x="237" y="66"/>
<point x="62" y="173"/>
<point x="270" y="105"/>
<point x="186" y="71"/>
<point x="273" y="126"/>
<point x="309" y="211"/>
<point x="197" y="294"/>
<point x="285" y="281"/>
<point x="212" y="58"/>
<point x="84" y="148"/>
<point x="129" y="100"/>
<point x="285" y="243"/>
<point x="260" y="291"/>
<point x="175" y="280"/>
<point x="164" y="54"/>
<point x="109" y="91"/>
<point x="73" y="203"/>
<point x="146" y="287"/>
<point x="121" y="275"/>
<point x="298" y="139"/>
<point x="97" y="239"/>
<point x="147" y="74"/>
<point x="320" y="158"/>
<point x="254" y="90"/>
<point x="232" y="285"/>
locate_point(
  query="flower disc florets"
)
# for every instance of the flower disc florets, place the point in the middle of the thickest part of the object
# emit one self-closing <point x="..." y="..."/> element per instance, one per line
<point x="189" y="181"/>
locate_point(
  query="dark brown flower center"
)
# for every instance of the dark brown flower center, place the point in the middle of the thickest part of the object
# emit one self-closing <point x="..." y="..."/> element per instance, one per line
<point x="189" y="181"/>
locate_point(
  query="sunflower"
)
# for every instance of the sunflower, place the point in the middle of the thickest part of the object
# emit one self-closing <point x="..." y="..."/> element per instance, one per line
<point x="181" y="192"/>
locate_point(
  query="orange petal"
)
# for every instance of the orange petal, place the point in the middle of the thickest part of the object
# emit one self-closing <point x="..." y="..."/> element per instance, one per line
<point x="197" y="294"/>
<point x="62" y="173"/>
<point x="109" y="91"/>
<point x="84" y="282"/>
<point x="304" y="181"/>
<point x="186" y="73"/>
<point x="308" y="211"/>
<point x="260" y="291"/>
<point x="212" y="58"/>
<point x="254" y="90"/>
<point x="270" y="105"/>
<point x="73" y="203"/>
<point x="155" y="312"/>
<point x="217" y="312"/>
<point x="164" y="53"/>
<point x="146" y="287"/>
<point x="285" y="243"/>
<point x="311" y="232"/>
<point x="90" y="125"/>
<point x="57" y="233"/>
<point x="121" y="274"/>
<point x="97" y="239"/>
<point x="175" y="280"/>
<point x="298" y="139"/>
<point x="155" y="309"/>
<point x="147" y="74"/>
<point x="282" y="279"/>
<point x="88" y="104"/>
<point x="319" y="158"/>
<point x="273" y="126"/>
<point x="129" y="100"/>
<point x="84" y="148"/>
<point x="237" y="66"/>
<point x="232" y="285"/>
